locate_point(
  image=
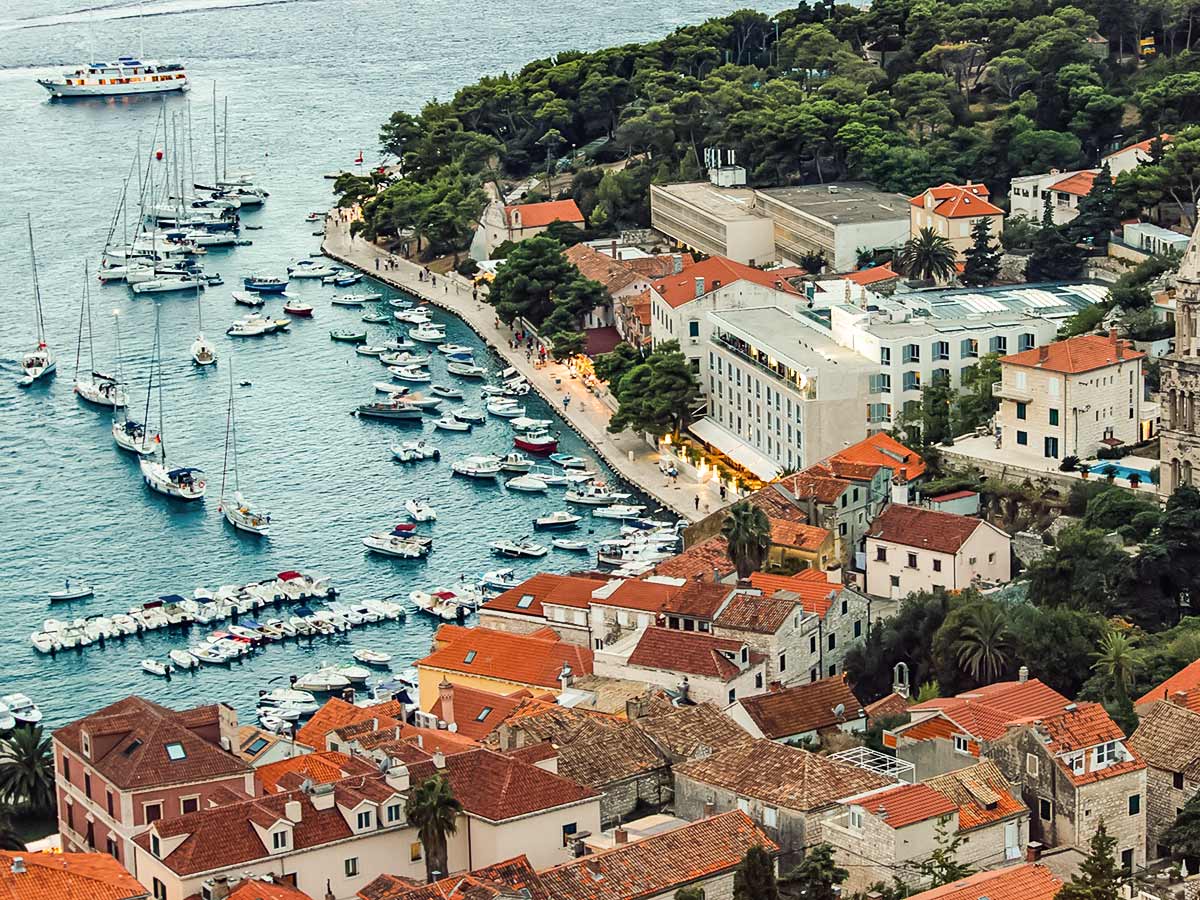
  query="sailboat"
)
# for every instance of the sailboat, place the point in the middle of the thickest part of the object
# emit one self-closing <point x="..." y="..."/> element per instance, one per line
<point x="129" y="434"/>
<point x="203" y="352"/>
<point x="239" y="511"/>
<point x="225" y="187"/>
<point x="179" y="482"/>
<point x="38" y="362"/>
<point x="94" y="387"/>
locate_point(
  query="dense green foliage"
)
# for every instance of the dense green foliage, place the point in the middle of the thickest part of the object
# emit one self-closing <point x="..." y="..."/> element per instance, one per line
<point x="754" y="878"/>
<point x="655" y="394"/>
<point x="816" y="878"/>
<point x="748" y="531"/>
<point x="27" y="771"/>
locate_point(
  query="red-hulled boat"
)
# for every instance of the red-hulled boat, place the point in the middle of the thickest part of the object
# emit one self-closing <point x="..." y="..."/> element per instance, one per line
<point x="296" y="308"/>
<point x="540" y="442"/>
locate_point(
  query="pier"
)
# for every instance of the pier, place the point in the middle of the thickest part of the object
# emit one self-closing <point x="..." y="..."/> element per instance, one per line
<point x="588" y="415"/>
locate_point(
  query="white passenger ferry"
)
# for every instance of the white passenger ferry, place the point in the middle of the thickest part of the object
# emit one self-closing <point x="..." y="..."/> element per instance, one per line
<point x="127" y="76"/>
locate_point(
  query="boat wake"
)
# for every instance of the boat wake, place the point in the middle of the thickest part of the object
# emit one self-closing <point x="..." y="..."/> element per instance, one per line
<point x="126" y="10"/>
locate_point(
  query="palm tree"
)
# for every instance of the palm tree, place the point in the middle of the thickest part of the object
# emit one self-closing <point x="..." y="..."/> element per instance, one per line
<point x="1118" y="661"/>
<point x="928" y="256"/>
<point x="748" y="531"/>
<point x="433" y="809"/>
<point x="984" y="642"/>
<point x="27" y="771"/>
<point x="9" y="839"/>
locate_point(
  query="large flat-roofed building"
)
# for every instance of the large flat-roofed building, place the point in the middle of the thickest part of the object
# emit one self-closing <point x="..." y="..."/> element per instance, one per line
<point x="714" y="220"/>
<point x="834" y="219"/>
<point x="780" y="393"/>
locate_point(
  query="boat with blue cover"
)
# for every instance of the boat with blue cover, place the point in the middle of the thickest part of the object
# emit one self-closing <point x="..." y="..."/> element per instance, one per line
<point x="265" y="284"/>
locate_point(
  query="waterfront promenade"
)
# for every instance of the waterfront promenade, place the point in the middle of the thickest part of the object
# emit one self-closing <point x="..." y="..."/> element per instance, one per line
<point x="586" y="413"/>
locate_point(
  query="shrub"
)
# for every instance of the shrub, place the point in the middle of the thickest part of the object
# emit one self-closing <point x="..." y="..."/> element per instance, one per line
<point x="468" y="268"/>
<point x="1069" y="464"/>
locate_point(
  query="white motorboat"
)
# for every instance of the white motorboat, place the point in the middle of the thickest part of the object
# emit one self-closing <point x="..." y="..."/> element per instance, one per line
<point x="505" y="408"/>
<point x="428" y="333"/>
<point x="447" y="391"/>
<point x="7" y="720"/>
<point x="417" y="316"/>
<point x="249" y="298"/>
<point x="23" y="709"/>
<point x="414" y="451"/>
<point x="455" y="349"/>
<point x="255" y="325"/>
<point x="290" y="697"/>
<point x="39" y="362"/>
<point x="594" y="495"/>
<point x="527" y="483"/>
<point x="477" y="466"/>
<point x="471" y="416"/>
<point x="521" y="548"/>
<point x="154" y="667"/>
<point x="128" y="75"/>
<point x="209" y="655"/>
<point x="618" y="511"/>
<point x="168" y="284"/>
<point x="274" y="724"/>
<point x="420" y="510"/>
<point x="353" y="674"/>
<point x="350" y="301"/>
<point x="398" y="543"/>
<point x="571" y="544"/>
<point x="203" y="353"/>
<point x="516" y="462"/>
<point x="500" y="579"/>
<point x="465" y="370"/>
<point x="311" y="268"/>
<point x="524" y="423"/>
<point x="268" y="713"/>
<point x="322" y="681"/>
<point x="369" y="350"/>
<point x="72" y="590"/>
<point x="449" y="423"/>
<point x="183" y="659"/>
<point x="372" y="657"/>
<point x="409" y="373"/>
<point x="399" y="343"/>
<point x="404" y="358"/>
<point x="440" y="604"/>
<point x="560" y="519"/>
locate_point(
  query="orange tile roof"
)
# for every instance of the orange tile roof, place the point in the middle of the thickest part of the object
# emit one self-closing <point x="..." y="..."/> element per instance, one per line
<point x="823" y="489"/>
<point x="659" y="266"/>
<point x="66" y="876"/>
<point x="698" y="599"/>
<point x="1025" y="882"/>
<point x="815" y="590"/>
<point x="883" y="449"/>
<point x="803" y="708"/>
<point x="953" y="201"/>
<point x="1185" y="681"/>
<point x="981" y="793"/>
<point x="322" y="767"/>
<point x="601" y="267"/>
<point x="561" y="590"/>
<point x="512" y="877"/>
<point x="337" y="713"/>
<point x="690" y="652"/>
<point x="660" y="864"/>
<point x="873" y="275"/>
<point x="1076" y="355"/>
<point x="793" y="534"/>
<point x="1144" y="146"/>
<point x="1077" y="183"/>
<point x="253" y="889"/>
<point x="885" y="707"/>
<point x="925" y="529"/>
<point x="680" y="288"/>
<point x="756" y="612"/>
<point x="906" y="804"/>
<point x="645" y="596"/>
<point x="1079" y="728"/>
<point x="698" y="561"/>
<point x="538" y="215"/>
<point x="987" y="712"/>
<point x="478" y="713"/>
<point x="515" y="658"/>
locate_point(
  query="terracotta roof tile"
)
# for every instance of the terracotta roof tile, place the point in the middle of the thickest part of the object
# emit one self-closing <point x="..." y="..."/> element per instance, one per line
<point x="687" y="731"/>
<point x="986" y="712"/>
<point x="660" y="864"/>
<point x="805" y="707"/>
<point x="906" y="804"/>
<point x="883" y="449"/>
<point x="954" y="201"/>
<point x="253" y="889"/>
<point x="1143" y="146"/>
<point x="129" y="741"/>
<point x="477" y="713"/>
<point x="873" y="275"/>
<point x="801" y="537"/>
<point x="757" y="612"/>
<point x="1077" y="183"/>
<point x="512" y="877"/>
<point x="1168" y="738"/>
<point x="515" y="658"/>
<point x="698" y="599"/>
<point x="1026" y="882"/>
<point x="823" y="489"/>
<point x="887" y="707"/>
<point x="680" y="288"/>
<point x="638" y="594"/>
<point x="659" y="266"/>
<point x="981" y="793"/>
<point x="66" y="876"/>
<point x="1076" y="355"/>
<point x="253" y="743"/>
<point x="614" y="274"/>
<point x="698" y="561"/>
<point x="774" y="502"/>
<point x="1079" y="727"/>
<point x="784" y="776"/>
<point x="322" y="767"/>
<point x="337" y="713"/>
<point x="815" y="590"/>
<point x="690" y="652"/>
<point x="560" y="590"/>
<point x="925" y="529"/>
<point x="537" y="215"/>
<point x="1185" y="681"/>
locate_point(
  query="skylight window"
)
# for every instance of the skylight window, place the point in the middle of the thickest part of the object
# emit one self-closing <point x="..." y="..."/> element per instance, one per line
<point x="470" y="657"/>
<point x="525" y="602"/>
<point x="483" y="714"/>
<point x="133" y="745"/>
<point x="175" y="751"/>
<point x="256" y="745"/>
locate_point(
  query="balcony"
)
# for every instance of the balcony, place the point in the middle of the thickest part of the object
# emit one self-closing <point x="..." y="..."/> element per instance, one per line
<point x="807" y="390"/>
<point x="1022" y="395"/>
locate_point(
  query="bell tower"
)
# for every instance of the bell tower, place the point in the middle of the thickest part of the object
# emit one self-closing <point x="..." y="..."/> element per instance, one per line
<point x="1179" y="393"/>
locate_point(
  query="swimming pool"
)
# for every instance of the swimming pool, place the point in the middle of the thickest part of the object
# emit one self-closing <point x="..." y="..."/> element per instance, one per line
<point x="1102" y="467"/>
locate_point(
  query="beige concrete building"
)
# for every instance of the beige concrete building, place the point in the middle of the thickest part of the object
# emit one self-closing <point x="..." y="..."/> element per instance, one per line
<point x="716" y="221"/>
<point x="951" y="210"/>
<point x="1070" y="398"/>
<point x="910" y="548"/>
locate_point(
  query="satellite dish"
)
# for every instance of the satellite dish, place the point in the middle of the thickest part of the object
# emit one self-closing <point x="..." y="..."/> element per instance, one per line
<point x="840" y="710"/>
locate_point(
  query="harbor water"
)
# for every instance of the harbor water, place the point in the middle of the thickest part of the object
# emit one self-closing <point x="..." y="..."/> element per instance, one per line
<point x="309" y="83"/>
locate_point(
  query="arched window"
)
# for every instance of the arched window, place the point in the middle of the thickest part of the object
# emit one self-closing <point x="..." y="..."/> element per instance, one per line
<point x="1174" y="474"/>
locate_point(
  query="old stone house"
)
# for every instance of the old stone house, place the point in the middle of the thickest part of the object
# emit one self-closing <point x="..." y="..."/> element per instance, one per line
<point x="1168" y="740"/>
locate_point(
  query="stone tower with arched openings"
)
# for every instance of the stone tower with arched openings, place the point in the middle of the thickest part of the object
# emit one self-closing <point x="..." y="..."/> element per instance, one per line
<point x="1179" y="395"/>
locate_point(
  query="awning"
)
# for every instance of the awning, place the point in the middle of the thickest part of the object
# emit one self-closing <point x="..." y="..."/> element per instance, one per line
<point x="735" y="448"/>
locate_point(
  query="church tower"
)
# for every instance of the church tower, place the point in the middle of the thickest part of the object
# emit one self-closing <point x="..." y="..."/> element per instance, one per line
<point x="1179" y="395"/>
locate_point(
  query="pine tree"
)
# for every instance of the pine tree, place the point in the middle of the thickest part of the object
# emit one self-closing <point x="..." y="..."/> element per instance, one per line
<point x="1097" y="215"/>
<point x="817" y="876"/>
<point x="755" y="877"/>
<point x="982" y="258"/>
<point x="1054" y="258"/>
<point x="1183" y="837"/>
<point x="1098" y="876"/>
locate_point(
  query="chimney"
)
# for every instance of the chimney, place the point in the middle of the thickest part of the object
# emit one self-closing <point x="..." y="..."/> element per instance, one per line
<point x="1043" y="353"/>
<point x="397" y="778"/>
<point x="566" y="677"/>
<point x="446" y="696"/>
<point x="18" y="865"/>
<point x="710" y="809"/>
<point x="1120" y="350"/>
<point x="293" y="810"/>
<point x="510" y="738"/>
<point x="683" y="688"/>
<point x="1023" y="674"/>
<point x="439" y="759"/>
<point x="699" y="286"/>
<point x="614" y="250"/>
<point x="1112" y="335"/>
<point x="592" y="865"/>
<point x="1033" y="851"/>
<point x="620" y="836"/>
<point x="676" y="263"/>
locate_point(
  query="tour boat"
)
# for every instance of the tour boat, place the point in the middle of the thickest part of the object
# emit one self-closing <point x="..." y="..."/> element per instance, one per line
<point x="465" y="370"/>
<point x="372" y="657"/>
<point x="571" y="544"/>
<point x="72" y="591"/>
<point x="428" y="333"/>
<point x="391" y="410"/>
<point x="540" y="442"/>
<point x="183" y="659"/>
<point x="449" y="423"/>
<point x="265" y="284"/>
<point x="178" y="482"/>
<point x="515" y="462"/>
<point x="420" y="510"/>
<point x="240" y="512"/>
<point x="154" y="667"/>
<point x="128" y="75"/>
<point x="521" y="548"/>
<point x="447" y="391"/>
<point x="351" y="337"/>
<point x="414" y="451"/>
<point x="38" y="362"/>
<point x="595" y="495"/>
<point x="470" y="416"/>
<point x="527" y="483"/>
<point x="565" y="461"/>
<point x="297" y="308"/>
<point x="247" y="298"/>
<point x="557" y="520"/>
<point x="618" y="511"/>
<point x="477" y="466"/>
<point x="412" y="373"/>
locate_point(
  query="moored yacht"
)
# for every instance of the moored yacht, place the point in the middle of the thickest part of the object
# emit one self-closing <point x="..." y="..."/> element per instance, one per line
<point x="128" y="75"/>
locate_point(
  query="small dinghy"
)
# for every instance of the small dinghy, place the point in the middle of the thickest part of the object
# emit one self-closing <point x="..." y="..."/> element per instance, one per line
<point x="72" y="590"/>
<point x="183" y="660"/>
<point x="414" y="451"/>
<point x="500" y="579"/>
<point x="372" y="657"/>
<point x="404" y="358"/>
<point x="477" y="466"/>
<point x="374" y="318"/>
<point x="526" y="483"/>
<point x="575" y="546"/>
<point x="348" y="301"/>
<point x="420" y="510"/>
<point x="245" y="298"/>
<point x="455" y="349"/>
<point x="443" y="390"/>
<point x="154" y="667"/>
<point x="368" y="350"/>
<point x="465" y="369"/>
<point x="296" y="308"/>
<point x="466" y="414"/>
<point x="353" y="337"/>
<point x="566" y="461"/>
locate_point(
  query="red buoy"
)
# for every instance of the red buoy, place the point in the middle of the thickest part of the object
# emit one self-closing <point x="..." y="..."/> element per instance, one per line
<point x="158" y="154"/>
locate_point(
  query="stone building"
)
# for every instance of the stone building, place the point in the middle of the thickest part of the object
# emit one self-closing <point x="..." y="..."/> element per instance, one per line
<point x="1179" y="392"/>
<point x="1168" y="739"/>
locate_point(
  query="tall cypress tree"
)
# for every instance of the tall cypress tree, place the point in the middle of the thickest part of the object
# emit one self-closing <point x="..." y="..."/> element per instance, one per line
<point x="1097" y="216"/>
<point x="982" y="259"/>
<point x="1054" y="258"/>
<point x="755" y="877"/>
<point x="1098" y="877"/>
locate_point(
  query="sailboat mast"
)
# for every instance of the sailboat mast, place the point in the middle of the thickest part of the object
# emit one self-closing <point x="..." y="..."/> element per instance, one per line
<point x="37" y="290"/>
<point x="228" y="428"/>
<point x="162" y="440"/>
<point x="225" y="144"/>
<point x="120" y="358"/>
<point x="87" y="302"/>
<point x="191" y="173"/>
<point x="79" y="336"/>
<point x="216" y="168"/>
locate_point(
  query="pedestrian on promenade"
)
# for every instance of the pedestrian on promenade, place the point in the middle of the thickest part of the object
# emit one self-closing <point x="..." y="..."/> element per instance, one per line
<point x="433" y="280"/>
<point x="566" y="403"/>
<point x="377" y="264"/>
<point x="475" y="296"/>
<point x="697" y="503"/>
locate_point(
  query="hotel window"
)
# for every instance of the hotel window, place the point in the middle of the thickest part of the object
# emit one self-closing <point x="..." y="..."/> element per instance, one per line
<point x="912" y="353"/>
<point x="783" y="664"/>
<point x="969" y="348"/>
<point x="414" y="851"/>
<point x="881" y="383"/>
<point x="351" y="867"/>
<point x="885" y="356"/>
<point x="160" y="889"/>
<point x="998" y="344"/>
<point x="1026" y="341"/>
<point x="393" y="812"/>
<point x="1022" y="410"/>
<point x="941" y="350"/>
<point x="568" y="832"/>
<point x="912" y="381"/>
<point x="1050" y="448"/>
<point x="941" y="376"/>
